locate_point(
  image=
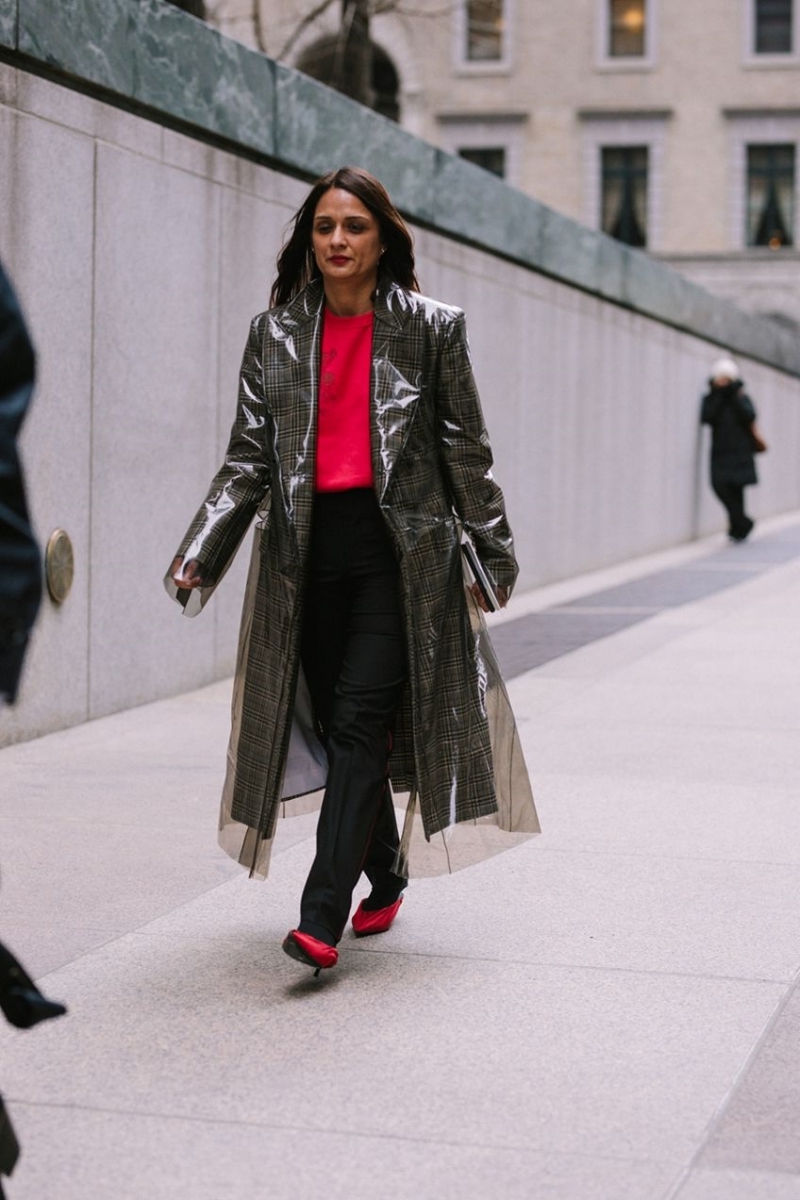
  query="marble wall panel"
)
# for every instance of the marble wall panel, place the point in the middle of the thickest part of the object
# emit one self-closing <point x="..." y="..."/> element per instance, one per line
<point x="9" y="79"/>
<point x="81" y="113"/>
<point x="46" y="245"/>
<point x="8" y="130"/>
<point x="154" y="420"/>
<point x="251" y="235"/>
<point x="279" y="189"/>
<point x="199" y="158"/>
<point x="778" y="406"/>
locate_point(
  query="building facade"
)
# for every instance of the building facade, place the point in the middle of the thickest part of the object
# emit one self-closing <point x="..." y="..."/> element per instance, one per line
<point x="673" y="127"/>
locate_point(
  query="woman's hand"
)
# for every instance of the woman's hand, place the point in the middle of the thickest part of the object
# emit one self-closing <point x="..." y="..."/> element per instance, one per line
<point x="186" y="574"/>
<point x="500" y="592"/>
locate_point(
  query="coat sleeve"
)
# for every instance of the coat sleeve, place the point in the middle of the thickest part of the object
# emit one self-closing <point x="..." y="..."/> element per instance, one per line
<point x="466" y="457"/>
<point x="241" y="485"/>
<point x="20" y="565"/>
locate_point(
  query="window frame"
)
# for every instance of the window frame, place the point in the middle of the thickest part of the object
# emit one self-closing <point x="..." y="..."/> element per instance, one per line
<point x="643" y="172"/>
<point x="608" y="130"/>
<point x="485" y="66"/>
<point x="605" y="61"/>
<point x="751" y="58"/>
<point x="752" y="129"/>
<point x="498" y="131"/>
<point x="463" y="152"/>
<point x="792" y="226"/>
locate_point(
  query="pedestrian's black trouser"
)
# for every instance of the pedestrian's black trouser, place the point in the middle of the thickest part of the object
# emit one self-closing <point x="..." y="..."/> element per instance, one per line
<point x="353" y="655"/>
<point x="732" y="496"/>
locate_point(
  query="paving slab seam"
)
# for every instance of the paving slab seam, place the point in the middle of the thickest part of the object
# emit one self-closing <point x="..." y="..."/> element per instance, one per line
<point x="738" y="1080"/>
<point x="597" y="610"/>
<point x="549" y="965"/>
<point x="579" y="851"/>
<point x="191" y="1118"/>
<point x="745" y="568"/>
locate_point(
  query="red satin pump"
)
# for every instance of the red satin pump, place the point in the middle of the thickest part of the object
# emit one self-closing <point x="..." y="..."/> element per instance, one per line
<point x="365" y="922"/>
<point x="310" y="951"/>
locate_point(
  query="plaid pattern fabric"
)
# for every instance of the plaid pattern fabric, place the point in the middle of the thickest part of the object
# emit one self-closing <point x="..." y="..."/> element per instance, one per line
<point x="432" y="465"/>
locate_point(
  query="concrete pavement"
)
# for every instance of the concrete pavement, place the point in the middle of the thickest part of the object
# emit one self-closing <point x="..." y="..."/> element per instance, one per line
<point x="609" y="1012"/>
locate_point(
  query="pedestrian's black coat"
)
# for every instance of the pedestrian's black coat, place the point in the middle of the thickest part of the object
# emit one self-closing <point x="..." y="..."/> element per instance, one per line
<point x="730" y="413"/>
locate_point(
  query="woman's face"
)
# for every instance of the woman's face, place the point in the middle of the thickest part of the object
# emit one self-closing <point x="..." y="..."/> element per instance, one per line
<point x="346" y="239"/>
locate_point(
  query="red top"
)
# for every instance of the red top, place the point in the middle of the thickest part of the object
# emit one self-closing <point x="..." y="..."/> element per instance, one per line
<point x="343" y="444"/>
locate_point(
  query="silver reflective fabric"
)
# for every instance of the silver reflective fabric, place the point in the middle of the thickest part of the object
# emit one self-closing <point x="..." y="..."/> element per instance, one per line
<point x="456" y="765"/>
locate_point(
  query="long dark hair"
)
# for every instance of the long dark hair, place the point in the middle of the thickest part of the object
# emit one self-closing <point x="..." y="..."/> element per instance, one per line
<point x="296" y="263"/>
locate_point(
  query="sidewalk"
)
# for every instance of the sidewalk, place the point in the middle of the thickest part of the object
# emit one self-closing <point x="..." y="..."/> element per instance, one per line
<point x="609" y="1012"/>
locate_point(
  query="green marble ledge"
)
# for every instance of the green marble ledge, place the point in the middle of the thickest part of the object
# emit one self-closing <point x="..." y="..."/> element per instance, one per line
<point x="8" y="23"/>
<point x="149" y="53"/>
<point x="152" y="53"/>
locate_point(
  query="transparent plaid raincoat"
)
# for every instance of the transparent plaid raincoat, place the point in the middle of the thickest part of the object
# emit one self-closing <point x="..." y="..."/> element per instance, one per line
<point x="456" y="757"/>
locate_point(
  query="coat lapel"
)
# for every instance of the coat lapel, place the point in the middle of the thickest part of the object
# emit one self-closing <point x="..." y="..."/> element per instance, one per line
<point x="291" y="372"/>
<point x="396" y="379"/>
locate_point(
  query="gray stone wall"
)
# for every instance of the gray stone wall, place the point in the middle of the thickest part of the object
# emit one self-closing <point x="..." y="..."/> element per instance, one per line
<point x="142" y="236"/>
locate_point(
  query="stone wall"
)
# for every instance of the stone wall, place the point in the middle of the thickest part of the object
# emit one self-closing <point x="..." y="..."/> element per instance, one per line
<point x="147" y="171"/>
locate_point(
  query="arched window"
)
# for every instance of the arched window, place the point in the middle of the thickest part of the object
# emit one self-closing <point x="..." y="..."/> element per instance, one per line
<point x="324" y="60"/>
<point x="385" y="84"/>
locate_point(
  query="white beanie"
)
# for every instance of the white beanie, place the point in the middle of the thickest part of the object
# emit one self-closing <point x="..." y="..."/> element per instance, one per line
<point x="726" y="367"/>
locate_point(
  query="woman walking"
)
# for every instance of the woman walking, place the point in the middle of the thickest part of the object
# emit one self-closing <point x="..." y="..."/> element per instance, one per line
<point x="363" y="661"/>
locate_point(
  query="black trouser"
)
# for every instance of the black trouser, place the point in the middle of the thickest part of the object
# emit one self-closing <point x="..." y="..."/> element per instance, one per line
<point x="732" y="496"/>
<point x="353" y="656"/>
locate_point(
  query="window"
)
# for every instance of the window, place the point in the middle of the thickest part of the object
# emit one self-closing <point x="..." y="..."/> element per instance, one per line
<point x="627" y="28"/>
<point x="773" y="26"/>
<point x="494" y="141"/>
<point x="770" y="195"/>
<point x="624" y="193"/>
<point x="484" y="30"/>
<point x="763" y="178"/>
<point x="491" y="158"/>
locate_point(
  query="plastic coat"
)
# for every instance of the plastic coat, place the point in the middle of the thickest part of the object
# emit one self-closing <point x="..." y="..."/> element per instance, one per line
<point x="456" y="748"/>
